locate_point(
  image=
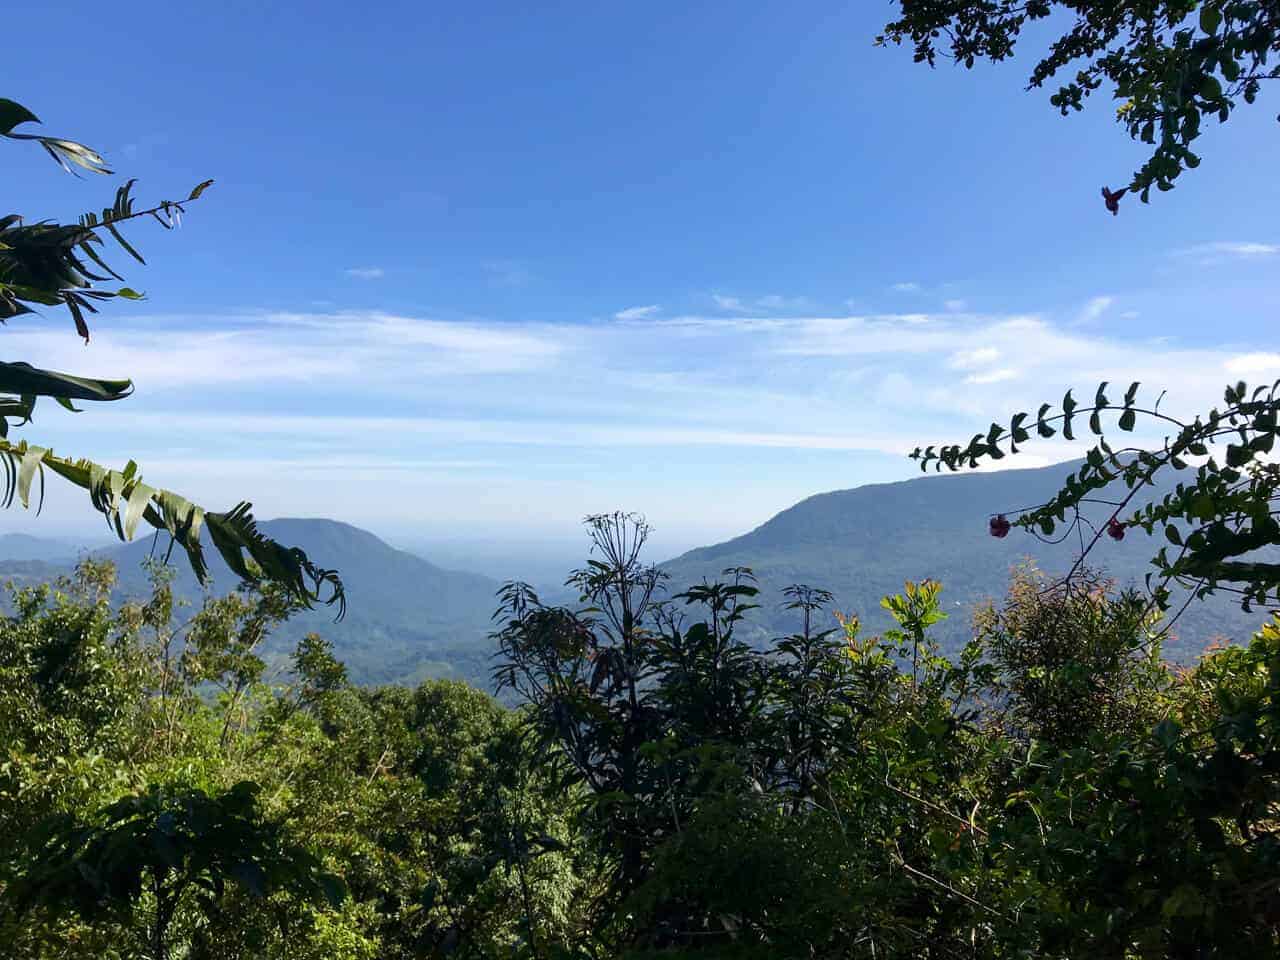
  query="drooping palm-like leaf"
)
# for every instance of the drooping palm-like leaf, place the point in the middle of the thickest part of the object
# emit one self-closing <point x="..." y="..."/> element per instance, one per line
<point x="24" y="379"/>
<point x="28" y="383"/>
<point x="44" y="263"/>
<point x="49" y="264"/>
<point x="64" y="152"/>
<point x="125" y="501"/>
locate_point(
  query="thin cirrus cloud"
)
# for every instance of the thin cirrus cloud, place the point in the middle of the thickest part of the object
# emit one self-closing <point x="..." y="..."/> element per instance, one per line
<point x="516" y="433"/>
<point x="435" y="408"/>
<point x="1094" y="309"/>
<point x="533" y="371"/>
<point x="637" y="313"/>
<point x="977" y="357"/>
<point x="319" y="350"/>
<point x="733" y="304"/>
<point x="992" y="376"/>
<point x="777" y="302"/>
<point x="1222" y="251"/>
<point x="770" y="303"/>
<point x="365" y="273"/>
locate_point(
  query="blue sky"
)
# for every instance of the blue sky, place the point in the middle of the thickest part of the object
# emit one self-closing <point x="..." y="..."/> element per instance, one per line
<point x="476" y="270"/>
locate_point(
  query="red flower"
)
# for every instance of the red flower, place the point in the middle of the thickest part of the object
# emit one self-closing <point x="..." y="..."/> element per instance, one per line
<point x="999" y="526"/>
<point x="1112" y="200"/>
<point x="1115" y="529"/>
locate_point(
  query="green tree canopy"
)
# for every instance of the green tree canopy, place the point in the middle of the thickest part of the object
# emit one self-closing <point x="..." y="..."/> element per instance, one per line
<point x="1171" y="64"/>
<point x="170" y="844"/>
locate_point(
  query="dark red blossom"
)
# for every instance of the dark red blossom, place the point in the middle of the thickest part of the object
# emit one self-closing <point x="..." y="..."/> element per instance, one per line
<point x="1000" y="526"/>
<point x="1115" y="529"/>
<point x="1112" y="199"/>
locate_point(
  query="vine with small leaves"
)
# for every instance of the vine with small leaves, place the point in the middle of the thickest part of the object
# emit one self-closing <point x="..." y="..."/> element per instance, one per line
<point x="1214" y="521"/>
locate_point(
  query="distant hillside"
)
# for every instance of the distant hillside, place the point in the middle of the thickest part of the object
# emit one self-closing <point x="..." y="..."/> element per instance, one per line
<point x="406" y="620"/>
<point x="28" y="560"/>
<point x="862" y="544"/>
<point x="22" y="546"/>
<point x="409" y="619"/>
<point x="29" y="572"/>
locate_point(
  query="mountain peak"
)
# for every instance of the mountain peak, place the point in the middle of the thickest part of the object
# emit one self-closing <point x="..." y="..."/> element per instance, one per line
<point x="864" y="542"/>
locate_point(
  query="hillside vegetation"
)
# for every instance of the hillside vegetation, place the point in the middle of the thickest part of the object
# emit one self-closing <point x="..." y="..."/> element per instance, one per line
<point x="407" y="619"/>
<point x="863" y="544"/>
<point x="864" y="730"/>
<point x="1054" y="790"/>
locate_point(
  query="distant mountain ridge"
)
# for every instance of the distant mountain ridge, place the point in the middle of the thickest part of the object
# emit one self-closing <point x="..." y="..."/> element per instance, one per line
<point x="406" y="619"/>
<point x="409" y="619"/>
<point x="864" y="543"/>
<point x="23" y="546"/>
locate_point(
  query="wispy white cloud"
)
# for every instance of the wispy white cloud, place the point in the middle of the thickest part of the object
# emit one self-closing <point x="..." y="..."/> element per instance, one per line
<point x="729" y="303"/>
<point x="777" y="302"/>
<point x="770" y="304"/>
<point x="522" y="416"/>
<point x="266" y="351"/>
<point x="1094" y="309"/>
<point x="907" y="334"/>
<point x="1253" y="249"/>
<point x="1254" y="364"/>
<point x="977" y="357"/>
<point x="992" y="376"/>
<point x="365" y="273"/>
<point x="637" y="313"/>
<point x="906" y="286"/>
<point x="1223" y="250"/>
<point x="955" y="306"/>
<point x="518" y="433"/>
<point x="323" y="462"/>
<point x="697" y="322"/>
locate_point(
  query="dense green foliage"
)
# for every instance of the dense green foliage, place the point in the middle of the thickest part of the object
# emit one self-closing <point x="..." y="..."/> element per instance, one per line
<point x="170" y="843"/>
<point x="665" y="787"/>
<point x="119" y="724"/>
<point x="48" y="264"/>
<point x="1171" y="63"/>
<point x="1055" y="790"/>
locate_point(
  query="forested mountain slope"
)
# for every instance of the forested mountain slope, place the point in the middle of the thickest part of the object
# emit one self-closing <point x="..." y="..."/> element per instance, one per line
<point x="863" y="543"/>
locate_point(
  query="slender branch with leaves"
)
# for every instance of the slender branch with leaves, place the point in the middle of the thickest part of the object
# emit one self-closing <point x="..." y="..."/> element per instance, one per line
<point x="48" y="264"/>
<point x="1171" y="64"/>
<point x="1214" y="520"/>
